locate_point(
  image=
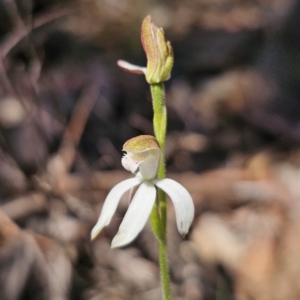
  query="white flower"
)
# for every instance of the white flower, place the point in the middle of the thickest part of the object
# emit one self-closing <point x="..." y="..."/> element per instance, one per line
<point x="142" y="158"/>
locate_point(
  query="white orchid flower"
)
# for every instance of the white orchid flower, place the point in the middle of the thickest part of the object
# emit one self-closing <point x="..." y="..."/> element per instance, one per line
<point x="142" y="158"/>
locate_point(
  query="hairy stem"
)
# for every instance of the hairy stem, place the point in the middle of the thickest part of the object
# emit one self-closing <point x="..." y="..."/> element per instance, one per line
<point x="164" y="270"/>
<point x="159" y="213"/>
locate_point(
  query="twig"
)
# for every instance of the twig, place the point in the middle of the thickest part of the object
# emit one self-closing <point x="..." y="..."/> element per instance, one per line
<point x="74" y="129"/>
<point x="24" y="206"/>
<point x="18" y="34"/>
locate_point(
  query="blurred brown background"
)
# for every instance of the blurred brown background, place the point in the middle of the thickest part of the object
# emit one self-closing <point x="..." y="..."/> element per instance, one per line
<point x="233" y="142"/>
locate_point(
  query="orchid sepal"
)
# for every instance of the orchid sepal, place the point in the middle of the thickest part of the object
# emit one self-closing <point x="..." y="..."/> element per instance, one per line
<point x="111" y="202"/>
<point x="136" y="215"/>
<point x="182" y="201"/>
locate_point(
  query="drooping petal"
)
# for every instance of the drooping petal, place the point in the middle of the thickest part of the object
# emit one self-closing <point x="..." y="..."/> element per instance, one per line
<point x="111" y="203"/>
<point x="137" y="215"/>
<point x="130" y="67"/>
<point x="182" y="200"/>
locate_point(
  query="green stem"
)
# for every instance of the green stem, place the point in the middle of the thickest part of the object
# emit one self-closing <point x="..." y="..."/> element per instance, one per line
<point x="156" y="222"/>
<point x="160" y="115"/>
<point x="159" y="213"/>
<point x="164" y="270"/>
<point x="163" y="211"/>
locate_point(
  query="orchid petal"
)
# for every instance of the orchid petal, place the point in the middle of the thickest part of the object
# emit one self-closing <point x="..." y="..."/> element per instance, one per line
<point x="148" y="167"/>
<point x="129" y="163"/>
<point x="182" y="200"/>
<point x="130" y="67"/>
<point x="136" y="215"/>
<point x="111" y="202"/>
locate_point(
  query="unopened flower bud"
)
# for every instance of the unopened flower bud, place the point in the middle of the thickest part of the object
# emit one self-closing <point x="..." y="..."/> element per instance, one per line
<point x="159" y="52"/>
